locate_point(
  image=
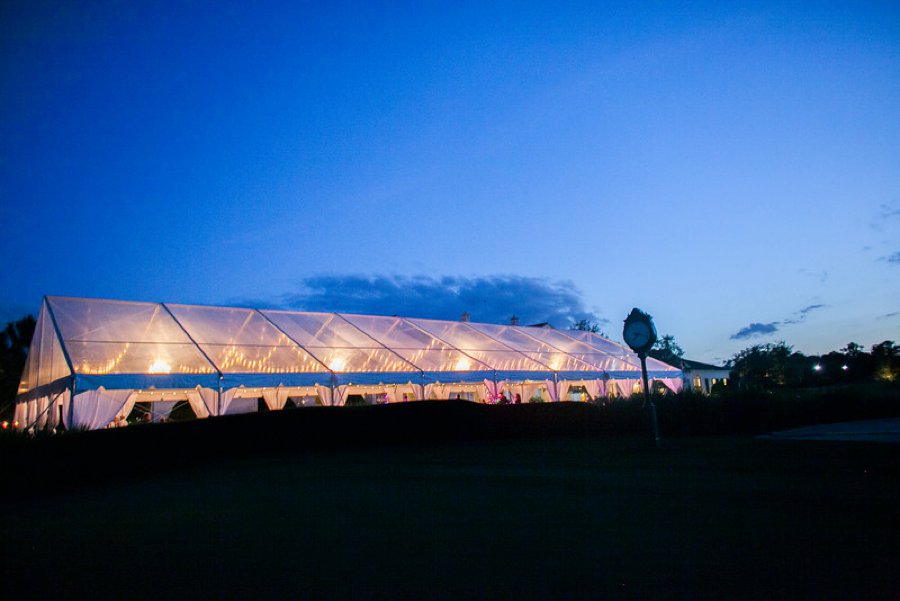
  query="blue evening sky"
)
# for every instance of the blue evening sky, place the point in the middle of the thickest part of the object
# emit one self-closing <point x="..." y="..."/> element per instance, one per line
<point x="732" y="169"/>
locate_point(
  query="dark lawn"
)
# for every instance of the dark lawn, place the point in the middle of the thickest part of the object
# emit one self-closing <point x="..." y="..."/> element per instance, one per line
<point x="727" y="518"/>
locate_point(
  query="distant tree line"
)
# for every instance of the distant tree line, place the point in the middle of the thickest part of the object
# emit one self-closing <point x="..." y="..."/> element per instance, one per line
<point x="774" y="365"/>
<point x="778" y="365"/>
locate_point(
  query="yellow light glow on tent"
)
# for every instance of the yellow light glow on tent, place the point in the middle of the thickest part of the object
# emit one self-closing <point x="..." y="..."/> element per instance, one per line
<point x="159" y="366"/>
<point x="337" y="364"/>
<point x="462" y="364"/>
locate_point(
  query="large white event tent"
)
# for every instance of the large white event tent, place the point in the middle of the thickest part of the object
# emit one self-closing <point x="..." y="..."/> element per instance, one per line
<point x="91" y="360"/>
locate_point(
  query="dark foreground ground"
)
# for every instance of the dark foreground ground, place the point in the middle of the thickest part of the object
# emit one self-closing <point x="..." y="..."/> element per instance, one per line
<point x="552" y="515"/>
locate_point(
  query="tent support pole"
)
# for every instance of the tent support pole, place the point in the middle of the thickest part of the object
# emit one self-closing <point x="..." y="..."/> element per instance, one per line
<point x="496" y="387"/>
<point x="202" y="352"/>
<point x="294" y="340"/>
<point x="62" y="344"/>
<point x="71" y="411"/>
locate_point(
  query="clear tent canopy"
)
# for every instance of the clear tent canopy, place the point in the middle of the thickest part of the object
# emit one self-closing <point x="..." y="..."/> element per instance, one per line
<point x="91" y="361"/>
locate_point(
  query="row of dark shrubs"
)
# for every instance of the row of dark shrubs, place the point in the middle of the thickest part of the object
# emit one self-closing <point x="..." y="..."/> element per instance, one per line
<point x="758" y="412"/>
<point x="683" y="414"/>
<point x="80" y="457"/>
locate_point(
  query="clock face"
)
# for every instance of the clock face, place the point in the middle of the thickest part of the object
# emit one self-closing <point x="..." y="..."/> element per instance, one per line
<point x="637" y="334"/>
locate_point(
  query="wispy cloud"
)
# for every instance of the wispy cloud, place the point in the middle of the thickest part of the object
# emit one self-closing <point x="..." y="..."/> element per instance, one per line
<point x="488" y="299"/>
<point x="800" y="316"/>
<point x="820" y="275"/>
<point x="755" y="329"/>
<point x="889" y="212"/>
<point x="809" y="308"/>
<point x="763" y="329"/>
<point x="886" y="221"/>
<point x="886" y="214"/>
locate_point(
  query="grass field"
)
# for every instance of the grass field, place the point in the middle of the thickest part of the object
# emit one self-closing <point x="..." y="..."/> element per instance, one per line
<point x="587" y="517"/>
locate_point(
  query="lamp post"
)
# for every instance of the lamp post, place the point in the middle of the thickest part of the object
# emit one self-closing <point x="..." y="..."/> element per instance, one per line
<point x="639" y="333"/>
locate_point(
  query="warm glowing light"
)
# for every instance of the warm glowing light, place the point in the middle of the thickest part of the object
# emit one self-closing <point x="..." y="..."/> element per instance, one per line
<point x="337" y="364"/>
<point x="4" y="425"/>
<point x="462" y="364"/>
<point x="159" y="366"/>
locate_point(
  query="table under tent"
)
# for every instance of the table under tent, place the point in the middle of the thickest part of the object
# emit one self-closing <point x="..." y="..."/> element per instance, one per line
<point x="92" y="362"/>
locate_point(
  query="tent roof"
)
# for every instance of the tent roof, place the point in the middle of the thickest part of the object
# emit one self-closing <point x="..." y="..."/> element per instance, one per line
<point x="122" y="344"/>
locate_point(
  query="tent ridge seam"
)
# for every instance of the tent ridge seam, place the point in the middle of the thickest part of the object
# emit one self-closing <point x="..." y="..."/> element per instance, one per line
<point x="627" y="360"/>
<point x="291" y="338"/>
<point x="194" y="342"/>
<point x="568" y="354"/>
<point x="442" y="341"/>
<point x="473" y="328"/>
<point x="381" y="344"/>
<point x="59" y="336"/>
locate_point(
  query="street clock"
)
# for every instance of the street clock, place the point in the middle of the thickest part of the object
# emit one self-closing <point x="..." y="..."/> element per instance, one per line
<point x="639" y="332"/>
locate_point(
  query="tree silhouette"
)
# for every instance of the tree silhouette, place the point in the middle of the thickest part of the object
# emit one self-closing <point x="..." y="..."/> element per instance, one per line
<point x="14" y="342"/>
<point x="763" y="366"/>
<point x="667" y="350"/>
<point x="853" y="350"/>
<point x="885" y="356"/>
<point x="586" y="325"/>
